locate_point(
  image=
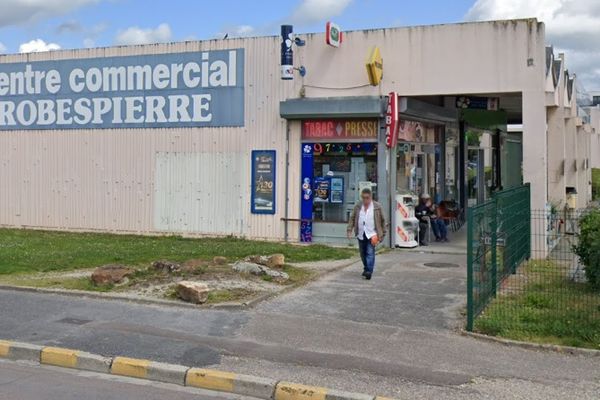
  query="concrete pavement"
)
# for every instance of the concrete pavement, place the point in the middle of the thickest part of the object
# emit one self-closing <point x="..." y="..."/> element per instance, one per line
<point x="391" y="336"/>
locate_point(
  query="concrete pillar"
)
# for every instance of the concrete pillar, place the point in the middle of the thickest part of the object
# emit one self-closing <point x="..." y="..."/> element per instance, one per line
<point x="383" y="177"/>
<point x="535" y="165"/>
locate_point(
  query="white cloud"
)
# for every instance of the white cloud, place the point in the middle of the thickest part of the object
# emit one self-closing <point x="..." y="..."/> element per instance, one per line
<point x="313" y="11"/>
<point x="2" y="48"/>
<point x="19" y="11"/>
<point x="237" y="31"/>
<point x="572" y="26"/>
<point x="89" y="43"/>
<point x="136" y="35"/>
<point x="37" y="45"/>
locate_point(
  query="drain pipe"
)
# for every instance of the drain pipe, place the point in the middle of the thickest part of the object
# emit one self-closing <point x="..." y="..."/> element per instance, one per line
<point x="287" y="180"/>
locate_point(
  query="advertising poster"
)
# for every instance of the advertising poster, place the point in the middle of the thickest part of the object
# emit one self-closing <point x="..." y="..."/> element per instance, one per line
<point x="306" y="195"/>
<point x="322" y="190"/>
<point x="263" y="182"/>
<point x="336" y="195"/>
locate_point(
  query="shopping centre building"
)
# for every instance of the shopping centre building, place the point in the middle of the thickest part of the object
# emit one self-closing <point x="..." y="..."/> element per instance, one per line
<point x="205" y="137"/>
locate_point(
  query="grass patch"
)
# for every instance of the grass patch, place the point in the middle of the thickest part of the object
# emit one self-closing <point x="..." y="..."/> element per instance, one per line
<point x="596" y="183"/>
<point x="298" y="275"/>
<point x="542" y="305"/>
<point x="42" y="251"/>
<point x="228" y="295"/>
<point x="82" y="283"/>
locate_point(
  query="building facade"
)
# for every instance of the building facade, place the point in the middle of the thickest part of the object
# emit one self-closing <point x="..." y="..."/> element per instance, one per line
<point x="204" y="137"/>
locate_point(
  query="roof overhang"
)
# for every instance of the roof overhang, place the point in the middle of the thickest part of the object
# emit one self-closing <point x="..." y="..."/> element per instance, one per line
<point x="333" y="107"/>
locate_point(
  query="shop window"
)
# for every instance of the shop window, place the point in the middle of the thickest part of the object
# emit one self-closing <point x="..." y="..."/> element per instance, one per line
<point x="341" y="171"/>
<point x="481" y="165"/>
<point x="418" y="159"/>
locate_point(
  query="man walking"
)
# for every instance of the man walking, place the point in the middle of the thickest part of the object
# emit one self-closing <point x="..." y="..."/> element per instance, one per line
<point x="367" y="224"/>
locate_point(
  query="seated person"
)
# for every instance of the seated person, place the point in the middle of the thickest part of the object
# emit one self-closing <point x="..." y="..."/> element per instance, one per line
<point x="426" y="213"/>
<point x="423" y="213"/>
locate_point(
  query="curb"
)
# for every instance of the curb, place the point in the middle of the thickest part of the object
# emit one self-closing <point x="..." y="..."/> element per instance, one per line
<point x="208" y="379"/>
<point x="145" y="369"/>
<point x="293" y="391"/>
<point x="66" y="358"/>
<point x="576" y="351"/>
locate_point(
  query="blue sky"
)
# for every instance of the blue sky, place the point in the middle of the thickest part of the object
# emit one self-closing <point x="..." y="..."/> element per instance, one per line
<point x="103" y="23"/>
<point x="572" y="26"/>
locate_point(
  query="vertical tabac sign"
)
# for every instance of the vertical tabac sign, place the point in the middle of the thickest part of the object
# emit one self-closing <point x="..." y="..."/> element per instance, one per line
<point x="391" y="120"/>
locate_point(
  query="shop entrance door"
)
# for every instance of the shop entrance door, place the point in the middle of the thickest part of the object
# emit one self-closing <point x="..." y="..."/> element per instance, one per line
<point x="475" y="176"/>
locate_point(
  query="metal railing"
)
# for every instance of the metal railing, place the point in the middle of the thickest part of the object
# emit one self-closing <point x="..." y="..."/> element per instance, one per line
<point x="524" y="279"/>
<point x="498" y="241"/>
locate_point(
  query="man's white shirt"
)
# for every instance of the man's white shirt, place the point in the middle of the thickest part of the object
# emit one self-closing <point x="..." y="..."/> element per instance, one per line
<point x="366" y="222"/>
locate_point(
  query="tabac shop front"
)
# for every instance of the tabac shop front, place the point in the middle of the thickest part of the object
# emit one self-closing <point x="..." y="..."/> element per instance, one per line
<point x="342" y="152"/>
<point x="339" y="159"/>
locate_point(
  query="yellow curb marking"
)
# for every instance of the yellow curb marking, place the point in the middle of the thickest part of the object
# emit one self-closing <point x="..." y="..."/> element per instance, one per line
<point x="4" y="348"/>
<point x="210" y="379"/>
<point x="59" y="357"/>
<point x="293" y="391"/>
<point x="130" y="367"/>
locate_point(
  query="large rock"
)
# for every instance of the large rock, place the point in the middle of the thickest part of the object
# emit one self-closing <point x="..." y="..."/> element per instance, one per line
<point x="193" y="292"/>
<point x="262" y="260"/>
<point x="245" y="267"/>
<point x="219" y="260"/>
<point x="111" y="274"/>
<point x="166" y="266"/>
<point x="278" y="276"/>
<point x="275" y="261"/>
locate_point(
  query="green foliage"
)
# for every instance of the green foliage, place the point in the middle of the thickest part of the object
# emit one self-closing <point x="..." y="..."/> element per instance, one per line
<point x="23" y="251"/>
<point x="473" y="138"/>
<point x="596" y="183"/>
<point x="588" y="247"/>
<point x="549" y="308"/>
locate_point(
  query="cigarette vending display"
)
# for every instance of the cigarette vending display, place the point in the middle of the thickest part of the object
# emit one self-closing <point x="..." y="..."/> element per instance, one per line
<point x="406" y="231"/>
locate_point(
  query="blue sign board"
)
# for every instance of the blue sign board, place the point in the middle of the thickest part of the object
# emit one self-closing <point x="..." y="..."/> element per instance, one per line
<point x="263" y="182"/>
<point x="192" y="89"/>
<point x="306" y="202"/>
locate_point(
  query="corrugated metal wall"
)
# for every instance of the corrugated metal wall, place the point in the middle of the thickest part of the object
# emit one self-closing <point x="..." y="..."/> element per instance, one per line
<point x="104" y="179"/>
<point x="201" y="192"/>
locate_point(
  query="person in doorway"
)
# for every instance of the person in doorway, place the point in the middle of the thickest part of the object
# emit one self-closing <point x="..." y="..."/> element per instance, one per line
<point x="367" y="224"/>
<point x="427" y="216"/>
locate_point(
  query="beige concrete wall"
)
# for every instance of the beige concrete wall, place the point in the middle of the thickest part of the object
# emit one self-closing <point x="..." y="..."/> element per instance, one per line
<point x="595" y="137"/>
<point x="105" y="179"/>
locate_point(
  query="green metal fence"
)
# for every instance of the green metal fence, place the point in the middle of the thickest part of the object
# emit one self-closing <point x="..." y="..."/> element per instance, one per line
<point x="498" y="241"/>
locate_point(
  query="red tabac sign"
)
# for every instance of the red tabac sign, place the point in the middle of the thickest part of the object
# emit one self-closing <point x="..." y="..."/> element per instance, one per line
<point x="391" y="120"/>
<point x="332" y="129"/>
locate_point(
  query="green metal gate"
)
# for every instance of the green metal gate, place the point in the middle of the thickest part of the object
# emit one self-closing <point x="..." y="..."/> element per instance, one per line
<point x="498" y="241"/>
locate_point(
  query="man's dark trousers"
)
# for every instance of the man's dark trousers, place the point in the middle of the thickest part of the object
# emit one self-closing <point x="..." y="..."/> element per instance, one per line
<point x="367" y="254"/>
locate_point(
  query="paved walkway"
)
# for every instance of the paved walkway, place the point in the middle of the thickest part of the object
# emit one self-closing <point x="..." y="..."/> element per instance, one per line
<point x="393" y="335"/>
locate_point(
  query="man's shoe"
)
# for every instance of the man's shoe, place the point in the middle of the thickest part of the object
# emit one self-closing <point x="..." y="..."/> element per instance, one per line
<point x="368" y="276"/>
<point x="364" y="274"/>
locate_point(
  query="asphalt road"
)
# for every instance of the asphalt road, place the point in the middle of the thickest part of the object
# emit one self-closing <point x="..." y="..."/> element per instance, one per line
<point x="33" y="382"/>
<point x="390" y="336"/>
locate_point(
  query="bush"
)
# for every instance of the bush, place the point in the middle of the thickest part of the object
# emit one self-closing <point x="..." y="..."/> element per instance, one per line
<point x="588" y="247"/>
<point x="595" y="183"/>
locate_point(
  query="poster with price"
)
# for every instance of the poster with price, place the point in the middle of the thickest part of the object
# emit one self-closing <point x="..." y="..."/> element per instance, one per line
<point x="263" y="182"/>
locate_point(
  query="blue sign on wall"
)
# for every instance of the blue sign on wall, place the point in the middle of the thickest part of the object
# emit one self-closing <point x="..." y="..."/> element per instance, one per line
<point x="263" y="182"/>
<point x="306" y="202"/>
<point x="192" y="89"/>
